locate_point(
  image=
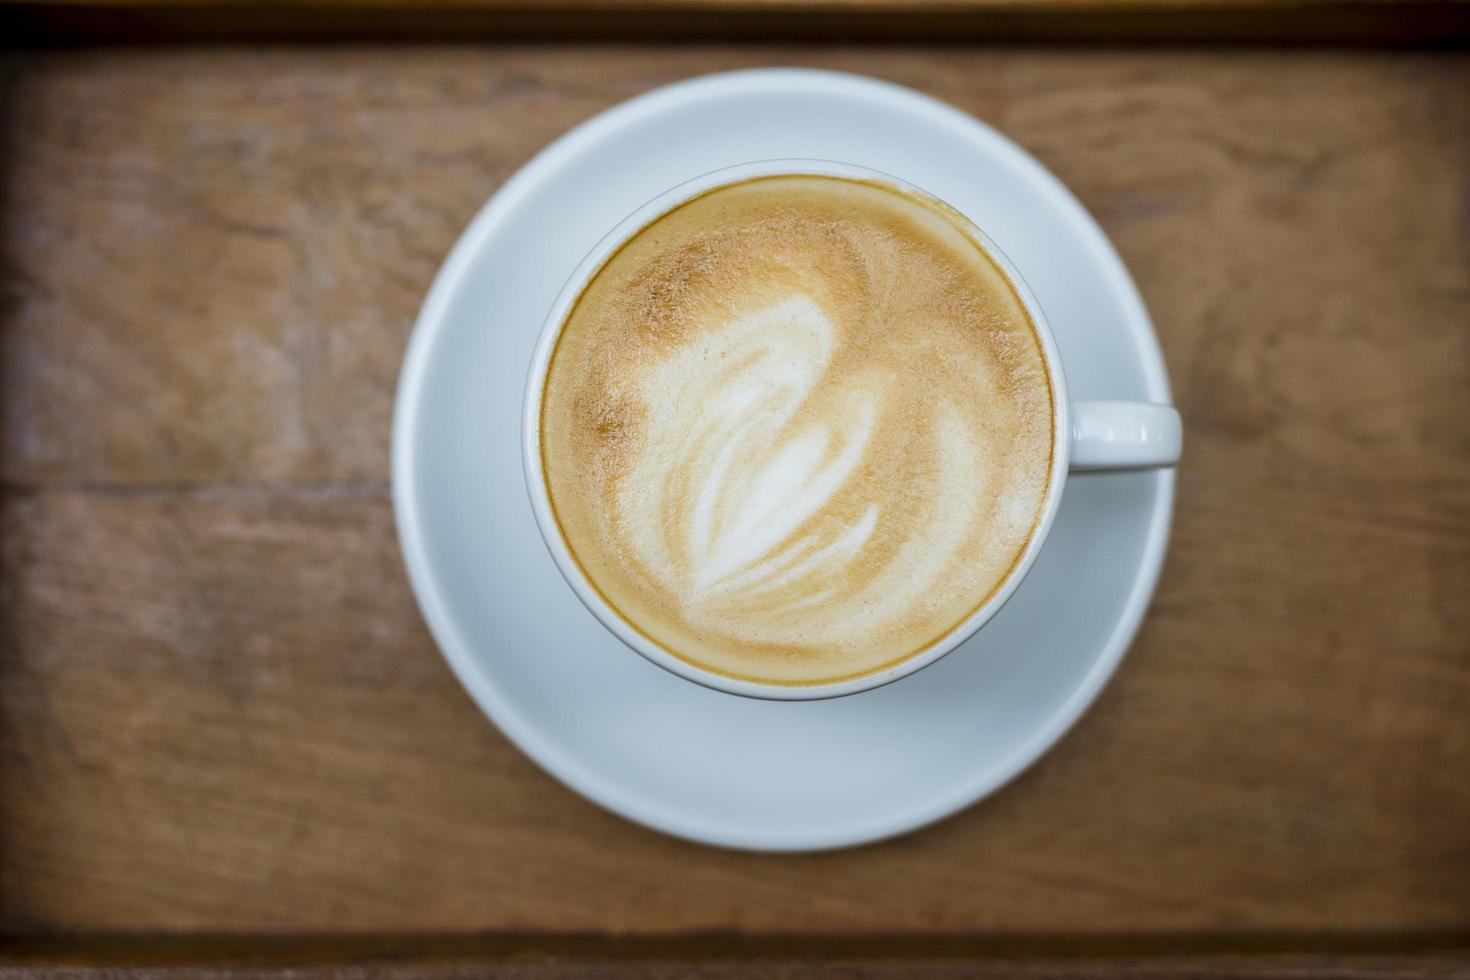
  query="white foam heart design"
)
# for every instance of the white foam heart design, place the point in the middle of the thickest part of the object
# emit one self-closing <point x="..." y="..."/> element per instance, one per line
<point x="737" y="488"/>
<point x="729" y="501"/>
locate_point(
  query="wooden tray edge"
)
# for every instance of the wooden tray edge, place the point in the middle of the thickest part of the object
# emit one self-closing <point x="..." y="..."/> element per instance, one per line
<point x="1416" y="23"/>
<point x="719" y="955"/>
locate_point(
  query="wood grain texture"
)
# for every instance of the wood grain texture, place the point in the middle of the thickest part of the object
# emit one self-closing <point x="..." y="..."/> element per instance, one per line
<point x="219" y="710"/>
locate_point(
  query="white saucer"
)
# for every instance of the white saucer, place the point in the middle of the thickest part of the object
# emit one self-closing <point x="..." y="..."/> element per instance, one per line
<point x="655" y="748"/>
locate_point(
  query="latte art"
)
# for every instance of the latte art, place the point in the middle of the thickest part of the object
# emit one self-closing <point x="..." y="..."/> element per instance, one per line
<point x="797" y="429"/>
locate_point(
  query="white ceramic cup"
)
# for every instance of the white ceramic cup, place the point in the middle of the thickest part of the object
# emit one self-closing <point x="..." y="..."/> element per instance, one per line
<point x="1092" y="435"/>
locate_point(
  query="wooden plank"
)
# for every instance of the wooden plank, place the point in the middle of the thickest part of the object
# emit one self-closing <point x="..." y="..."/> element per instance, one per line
<point x="219" y="710"/>
<point x="1290" y="968"/>
<point x="709" y="957"/>
<point x="1357" y="22"/>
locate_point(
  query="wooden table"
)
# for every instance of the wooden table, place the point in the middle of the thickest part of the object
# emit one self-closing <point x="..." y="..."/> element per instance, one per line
<point x="220" y="712"/>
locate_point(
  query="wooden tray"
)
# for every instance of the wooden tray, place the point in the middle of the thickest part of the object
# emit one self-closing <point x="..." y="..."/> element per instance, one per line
<point x="228" y="745"/>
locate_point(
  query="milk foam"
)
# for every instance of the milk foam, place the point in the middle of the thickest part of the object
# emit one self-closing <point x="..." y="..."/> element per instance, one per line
<point x="798" y="429"/>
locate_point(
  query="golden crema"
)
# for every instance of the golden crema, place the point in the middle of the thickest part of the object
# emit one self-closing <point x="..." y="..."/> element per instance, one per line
<point x="798" y="428"/>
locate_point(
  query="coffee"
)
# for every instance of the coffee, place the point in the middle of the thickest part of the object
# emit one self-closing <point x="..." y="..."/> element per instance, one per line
<point x="798" y="428"/>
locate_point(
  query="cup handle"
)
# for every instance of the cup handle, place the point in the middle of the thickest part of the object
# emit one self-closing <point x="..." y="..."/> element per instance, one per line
<point x="1124" y="436"/>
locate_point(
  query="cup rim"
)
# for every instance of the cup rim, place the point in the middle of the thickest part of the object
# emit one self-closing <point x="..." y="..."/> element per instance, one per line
<point x="550" y="530"/>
